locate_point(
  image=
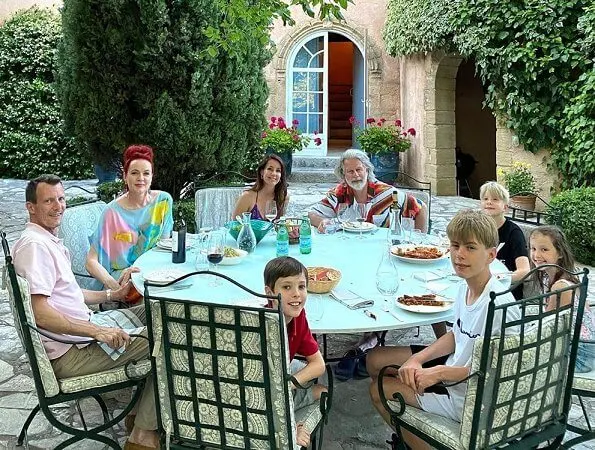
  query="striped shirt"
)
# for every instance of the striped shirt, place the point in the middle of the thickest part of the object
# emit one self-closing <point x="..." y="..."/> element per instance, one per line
<point x="378" y="202"/>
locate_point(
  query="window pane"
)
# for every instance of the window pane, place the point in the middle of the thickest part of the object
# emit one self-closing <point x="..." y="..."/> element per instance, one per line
<point x="299" y="102"/>
<point x="315" y="45"/>
<point x="315" y="102"/>
<point x="315" y="123"/>
<point x="302" y="119"/>
<point x="299" y="81"/>
<point x="317" y="61"/>
<point x="315" y="81"/>
<point x="302" y="58"/>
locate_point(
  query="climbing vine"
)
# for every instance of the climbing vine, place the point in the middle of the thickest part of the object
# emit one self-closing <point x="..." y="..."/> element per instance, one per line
<point x="535" y="59"/>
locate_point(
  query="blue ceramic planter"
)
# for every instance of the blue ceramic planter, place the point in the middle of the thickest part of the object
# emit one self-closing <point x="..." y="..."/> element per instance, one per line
<point x="386" y="166"/>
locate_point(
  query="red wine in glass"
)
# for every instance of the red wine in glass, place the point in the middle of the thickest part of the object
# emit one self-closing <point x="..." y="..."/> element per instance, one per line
<point x="215" y="258"/>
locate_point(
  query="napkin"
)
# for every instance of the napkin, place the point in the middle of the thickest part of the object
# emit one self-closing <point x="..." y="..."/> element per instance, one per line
<point x="350" y="299"/>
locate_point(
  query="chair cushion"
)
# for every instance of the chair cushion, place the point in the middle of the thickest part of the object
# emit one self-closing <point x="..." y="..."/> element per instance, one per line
<point x="215" y="205"/>
<point x="105" y="378"/>
<point x="440" y="428"/>
<point x="310" y="416"/>
<point x="46" y="372"/>
<point x="78" y="224"/>
<point x="584" y="381"/>
<point x="227" y="367"/>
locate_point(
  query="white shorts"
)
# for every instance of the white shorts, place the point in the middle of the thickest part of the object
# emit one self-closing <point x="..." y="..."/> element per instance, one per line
<point x="438" y="404"/>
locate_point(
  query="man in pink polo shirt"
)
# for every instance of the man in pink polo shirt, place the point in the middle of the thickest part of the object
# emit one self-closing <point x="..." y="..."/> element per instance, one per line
<point x="60" y="305"/>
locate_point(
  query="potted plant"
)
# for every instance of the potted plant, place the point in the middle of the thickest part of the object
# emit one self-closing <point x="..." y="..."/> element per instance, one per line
<point x="282" y="140"/>
<point x="383" y="141"/>
<point x="520" y="183"/>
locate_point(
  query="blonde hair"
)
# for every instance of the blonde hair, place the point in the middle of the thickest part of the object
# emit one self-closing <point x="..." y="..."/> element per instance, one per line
<point x="470" y="224"/>
<point x="495" y="189"/>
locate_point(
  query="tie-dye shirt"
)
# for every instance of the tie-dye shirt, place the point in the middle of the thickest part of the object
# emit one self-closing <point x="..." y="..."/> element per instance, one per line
<point x="123" y="235"/>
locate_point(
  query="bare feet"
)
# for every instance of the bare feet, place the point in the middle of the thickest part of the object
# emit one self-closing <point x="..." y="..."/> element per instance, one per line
<point x="303" y="437"/>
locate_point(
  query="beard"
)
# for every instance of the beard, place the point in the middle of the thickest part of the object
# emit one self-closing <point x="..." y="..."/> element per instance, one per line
<point x="357" y="185"/>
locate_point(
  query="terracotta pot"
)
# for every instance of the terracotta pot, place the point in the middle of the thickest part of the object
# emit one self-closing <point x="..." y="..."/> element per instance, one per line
<point x="526" y="202"/>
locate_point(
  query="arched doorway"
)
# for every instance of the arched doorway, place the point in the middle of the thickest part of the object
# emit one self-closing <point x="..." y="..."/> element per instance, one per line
<point x="475" y="132"/>
<point x="326" y="85"/>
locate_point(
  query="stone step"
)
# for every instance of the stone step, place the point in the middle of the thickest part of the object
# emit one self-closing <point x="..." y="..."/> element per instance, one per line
<point x="311" y="175"/>
<point x="315" y="162"/>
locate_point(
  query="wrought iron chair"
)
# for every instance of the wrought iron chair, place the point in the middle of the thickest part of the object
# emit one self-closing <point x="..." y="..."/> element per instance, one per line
<point x="79" y="222"/>
<point x="221" y="375"/>
<point x="529" y="217"/>
<point x="52" y="390"/>
<point x="519" y="388"/>
<point x="582" y="386"/>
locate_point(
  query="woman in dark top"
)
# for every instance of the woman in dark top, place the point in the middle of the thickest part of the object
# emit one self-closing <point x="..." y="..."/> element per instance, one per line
<point x="271" y="185"/>
<point x="514" y="254"/>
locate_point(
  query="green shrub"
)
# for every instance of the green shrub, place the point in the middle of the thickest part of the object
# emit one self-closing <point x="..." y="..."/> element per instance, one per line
<point x="32" y="138"/>
<point x="576" y="209"/>
<point x="110" y="190"/>
<point x="187" y="208"/>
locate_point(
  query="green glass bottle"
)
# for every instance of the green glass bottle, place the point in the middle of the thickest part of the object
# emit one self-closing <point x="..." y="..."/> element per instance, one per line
<point x="282" y="239"/>
<point x="305" y="236"/>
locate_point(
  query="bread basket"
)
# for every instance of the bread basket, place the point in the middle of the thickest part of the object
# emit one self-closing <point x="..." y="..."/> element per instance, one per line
<point x="322" y="280"/>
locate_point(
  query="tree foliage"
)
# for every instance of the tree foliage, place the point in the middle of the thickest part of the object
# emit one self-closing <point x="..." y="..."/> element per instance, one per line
<point x="536" y="60"/>
<point x="32" y="138"/>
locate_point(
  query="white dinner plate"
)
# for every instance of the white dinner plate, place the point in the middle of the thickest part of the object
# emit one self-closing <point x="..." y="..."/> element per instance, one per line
<point x="356" y="227"/>
<point x="227" y="261"/>
<point x="164" y="276"/>
<point x="165" y="244"/>
<point x="426" y="309"/>
<point x="394" y="248"/>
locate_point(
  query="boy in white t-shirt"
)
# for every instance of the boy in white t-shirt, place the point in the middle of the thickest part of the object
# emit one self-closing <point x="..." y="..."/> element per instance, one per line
<point x="473" y="240"/>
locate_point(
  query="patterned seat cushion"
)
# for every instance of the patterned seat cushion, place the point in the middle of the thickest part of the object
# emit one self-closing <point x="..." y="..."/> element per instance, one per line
<point x="189" y="395"/>
<point x="215" y="205"/>
<point x="105" y="378"/>
<point x="78" y="224"/>
<point x="443" y="429"/>
<point x="584" y="381"/>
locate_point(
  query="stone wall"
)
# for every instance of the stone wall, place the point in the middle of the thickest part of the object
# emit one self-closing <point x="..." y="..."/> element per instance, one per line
<point x="7" y="7"/>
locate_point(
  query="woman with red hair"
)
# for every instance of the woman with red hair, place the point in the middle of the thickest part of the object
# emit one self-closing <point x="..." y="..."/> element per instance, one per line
<point x="131" y="224"/>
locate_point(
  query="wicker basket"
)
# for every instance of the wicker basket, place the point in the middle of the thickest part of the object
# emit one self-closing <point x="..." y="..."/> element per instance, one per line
<point x="320" y="286"/>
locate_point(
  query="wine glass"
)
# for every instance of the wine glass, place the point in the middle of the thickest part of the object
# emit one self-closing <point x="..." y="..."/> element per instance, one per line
<point x="407" y="225"/>
<point x="343" y="216"/>
<point x="270" y="211"/>
<point x="360" y="216"/>
<point x="215" y="253"/>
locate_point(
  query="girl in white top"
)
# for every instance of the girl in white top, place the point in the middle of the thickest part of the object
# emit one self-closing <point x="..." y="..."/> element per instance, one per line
<point x="549" y="246"/>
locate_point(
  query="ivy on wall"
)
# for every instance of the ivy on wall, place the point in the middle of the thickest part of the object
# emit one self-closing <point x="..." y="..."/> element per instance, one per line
<point x="535" y="58"/>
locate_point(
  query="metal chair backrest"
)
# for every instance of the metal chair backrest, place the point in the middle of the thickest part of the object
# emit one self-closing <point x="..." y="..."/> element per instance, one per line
<point x="221" y="372"/>
<point x="525" y="371"/>
<point x="79" y="222"/>
<point x="19" y="298"/>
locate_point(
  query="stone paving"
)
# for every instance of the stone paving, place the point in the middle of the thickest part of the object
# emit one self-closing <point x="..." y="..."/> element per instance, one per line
<point x="353" y="423"/>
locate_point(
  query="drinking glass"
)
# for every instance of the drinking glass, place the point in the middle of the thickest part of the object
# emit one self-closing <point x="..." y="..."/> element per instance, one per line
<point x="315" y="307"/>
<point x="417" y="237"/>
<point x="407" y="225"/>
<point x="360" y="216"/>
<point x="344" y="215"/>
<point x="270" y="211"/>
<point x="215" y="253"/>
<point x="201" y="262"/>
<point x="387" y="277"/>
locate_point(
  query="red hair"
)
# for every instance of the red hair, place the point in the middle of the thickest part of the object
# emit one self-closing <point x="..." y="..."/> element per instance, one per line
<point x="137" y="152"/>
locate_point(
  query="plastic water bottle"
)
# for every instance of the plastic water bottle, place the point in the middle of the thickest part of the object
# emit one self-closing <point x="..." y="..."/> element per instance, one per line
<point x="282" y="239"/>
<point x="178" y="240"/>
<point x="305" y="236"/>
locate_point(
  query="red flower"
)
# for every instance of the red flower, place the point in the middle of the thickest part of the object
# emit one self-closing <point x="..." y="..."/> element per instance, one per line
<point x="404" y="133"/>
<point x="271" y="125"/>
<point x="317" y="141"/>
<point x="370" y="120"/>
<point x="398" y="123"/>
<point x="295" y="122"/>
<point x="352" y="120"/>
<point x="281" y="124"/>
<point x="379" y="123"/>
<point x="382" y="120"/>
<point x="263" y="135"/>
<point x="411" y="131"/>
<point x="273" y="119"/>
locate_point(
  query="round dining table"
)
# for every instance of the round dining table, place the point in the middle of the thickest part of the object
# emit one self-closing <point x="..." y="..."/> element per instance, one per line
<point x="356" y="258"/>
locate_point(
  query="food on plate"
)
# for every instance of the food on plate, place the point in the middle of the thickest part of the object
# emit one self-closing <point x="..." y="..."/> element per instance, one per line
<point x="418" y="252"/>
<point x="323" y="274"/>
<point x="425" y="299"/>
<point x="230" y="252"/>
